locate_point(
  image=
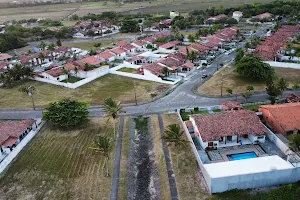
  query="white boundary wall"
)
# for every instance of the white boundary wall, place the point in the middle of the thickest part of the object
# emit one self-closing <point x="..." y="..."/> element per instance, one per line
<point x="245" y="181"/>
<point x="14" y="153"/>
<point x="283" y="64"/>
<point x="283" y="147"/>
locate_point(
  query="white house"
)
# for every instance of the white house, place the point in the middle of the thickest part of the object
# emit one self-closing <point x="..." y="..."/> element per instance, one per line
<point x="54" y="74"/>
<point x="174" y="14"/>
<point x="119" y="52"/>
<point x="80" y="34"/>
<point x="4" y="66"/>
<point x="107" y="56"/>
<point x="230" y="128"/>
<point x="140" y="45"/>
<point x="237" y="15"/>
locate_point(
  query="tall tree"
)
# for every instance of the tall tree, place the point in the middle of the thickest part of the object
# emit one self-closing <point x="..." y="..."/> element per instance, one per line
<point x="104" y="145"/>
<point x="252" y="67"/>
<point x="174" y="136"/>
<point x="51" y="46"/>
<point x="42" y="45"/>
<point x="250" y="88"/>
<point x="272" y="90"/>
<point x="29" y="90"/>
<point x="229" y="91"/>
<point x="239" y="55"/>
<point x="246" y="95"/>
<point x="58" y="42"/>
<point x="282" y="84"/>
<point x="193" y="55"/>
<point x="66" y="113"/>
<point x="113" y="108"/>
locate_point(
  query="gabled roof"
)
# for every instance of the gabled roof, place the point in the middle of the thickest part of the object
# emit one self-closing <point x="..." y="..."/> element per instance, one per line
<point x="118" y="50"/>
<point x="13" y="129"/>
<point x="188" y="65"/>
<point x="4" y="56"/>
<point x="154" y="68"/>
<point x="231" y="105"/>
<point x="55" y="72"/>
<point x="106" y="54"/>
<point x="91" y="60"/>
<point x="240" y="122"/>
<point x="139" y="43"/>
<point x="170" y="44"/>
<point x="287" y="115"/>
<point x="264" y="15"/>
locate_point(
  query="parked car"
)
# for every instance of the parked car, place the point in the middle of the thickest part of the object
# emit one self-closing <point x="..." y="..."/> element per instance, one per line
<point x="204" y="75"/>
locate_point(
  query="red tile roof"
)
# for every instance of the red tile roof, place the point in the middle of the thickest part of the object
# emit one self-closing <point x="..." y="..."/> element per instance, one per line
<point x="239" y="122"/>
<point x="118" y="50"/>
<point x="63" y="49"/>
<point x="106" y="54"/>
<point x="139" y="43"/>
<point x="188" y="65"/>
<point x="55" y="72"/>
<point x="91" y="60"/>
<point x="4" y="56"/>
<point x="4" y="64"/>
<point x="170" y="44"/>
<point x="292" y="98"/>
<point x="171" y="62"/>
<point x="13" y="129"/>
<point x="218" y="17"/>
<point x="264" y="15"/>
<point x="287" y="115"/>
<point x="154" y="68"/>
<point x="231" y="105"/>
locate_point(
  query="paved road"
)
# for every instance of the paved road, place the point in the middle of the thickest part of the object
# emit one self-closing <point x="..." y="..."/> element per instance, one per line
<point x="182" y="97"/>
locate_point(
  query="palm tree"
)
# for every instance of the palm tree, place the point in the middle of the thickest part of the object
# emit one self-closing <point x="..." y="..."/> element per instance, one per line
<point x="104" y="145"/>
<point x="65" y="71"/>
<point x="30" y="91"/>
<point x="42" y="45"/>
<point x="112" y="109"/>
<point x="76" y="70"/>
<point x="174" y="136"/>
<point x="193" y="56"/>
<point x="41" y="57"/>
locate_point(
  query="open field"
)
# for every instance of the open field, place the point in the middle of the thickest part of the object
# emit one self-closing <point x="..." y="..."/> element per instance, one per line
<point x="94" y="93"/>
<point x="58" y="164"/>
<point x="61" y="11"/>
<point x="188" y="176"/>
<point x="212" y="87"/>
<point x="89" y="45"/>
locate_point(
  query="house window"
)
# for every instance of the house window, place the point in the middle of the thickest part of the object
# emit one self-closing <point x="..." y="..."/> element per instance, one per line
<point x="289" y="133"/>
<point x="260" y="137"/>
<point x="221" y="139"/>
<point x="210" y="144"/>
<point x="229" y="138"/>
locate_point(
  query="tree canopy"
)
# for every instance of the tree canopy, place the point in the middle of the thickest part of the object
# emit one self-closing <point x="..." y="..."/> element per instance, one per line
<point x="129" y="26"/>
<point x="252" y="67"/>
<point x="66" y="113"/>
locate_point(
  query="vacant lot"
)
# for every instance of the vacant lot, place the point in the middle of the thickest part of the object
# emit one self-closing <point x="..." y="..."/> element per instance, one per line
<point x="89" y="45"/>
<point x="58" y="164"/>
<point x="232" y="80"/>
<point x="188" y="177"/>
<point x="156" y="7"/>
<point x="118" y="87"/>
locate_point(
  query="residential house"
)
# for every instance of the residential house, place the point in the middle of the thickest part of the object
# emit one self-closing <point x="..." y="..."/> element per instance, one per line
<point x="140" y="45"/>
<point x="170" y="45"/>
<point x="119" y="52"/>
<point x="107" y="56"/>
<point x="237" y="15"/>
<point x="153" y="70"/>
<point x="5" y="57"/>
<point x="229" y="128"/>
<point x="63" y="51"/>
<point x="218" y="17"/>
<point x="90" y="60"/>
<point x="31" y="60"/>
<point x="137" y="60"/>
<point x="282" y="118"/>
<point x="127" y="47"/>
<point x="80" y="34"/>
<point x="263" y="16"/>
<point x="54" y="74"/>
<point x="12" y="132"/>
<point x="4" y="66"/>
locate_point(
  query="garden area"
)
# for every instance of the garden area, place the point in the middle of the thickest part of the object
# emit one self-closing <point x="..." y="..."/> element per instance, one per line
<point x="60" y="164"/>
<point x="72" y="79"/>
<point x="186" y="115"/>
<point x="126" y="69"/>
<point x="94" y="93"/>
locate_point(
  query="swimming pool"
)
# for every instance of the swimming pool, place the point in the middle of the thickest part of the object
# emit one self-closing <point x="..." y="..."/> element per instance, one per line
<point x="242" y="156"/>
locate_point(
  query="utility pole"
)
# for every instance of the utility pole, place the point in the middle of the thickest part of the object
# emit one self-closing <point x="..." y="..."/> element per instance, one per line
<point x="221" y="84"/>
<point x="134" y="92"/>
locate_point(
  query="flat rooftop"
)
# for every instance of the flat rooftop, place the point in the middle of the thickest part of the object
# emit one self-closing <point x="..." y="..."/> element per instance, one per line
<point x="247" y="166"/>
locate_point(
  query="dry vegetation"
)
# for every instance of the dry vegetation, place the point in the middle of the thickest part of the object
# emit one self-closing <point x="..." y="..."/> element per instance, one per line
<point x="158" y="7"/>
<point x="123" y="179"/>
<point x="58" y="164"/>
<point x="94" y="93"/>
<point x="160" y="160"/>
<point x="232" y="80"/>
<point x="190" y="182"/>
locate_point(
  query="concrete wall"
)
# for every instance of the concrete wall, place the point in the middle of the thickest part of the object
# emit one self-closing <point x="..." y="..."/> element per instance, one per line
<point x="256" y="180"/>
<point x="283" y="64"/>
<point x="14" y="153"/>
<point x="96" y="72"/>
<point x="283" y="147"/>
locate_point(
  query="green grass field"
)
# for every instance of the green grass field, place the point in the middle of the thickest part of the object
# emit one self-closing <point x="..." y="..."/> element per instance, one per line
<point x="89" y="45"/>
<point x="128" y="70"/>
<point x="58" y="164"/>
<point x="94" y="93"/>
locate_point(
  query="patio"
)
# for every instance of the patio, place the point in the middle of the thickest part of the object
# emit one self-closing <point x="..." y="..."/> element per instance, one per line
<point x="263" y="149"/>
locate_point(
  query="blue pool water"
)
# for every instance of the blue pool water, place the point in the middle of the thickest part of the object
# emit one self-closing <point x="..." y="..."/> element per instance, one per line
<point x="242" y="156"/>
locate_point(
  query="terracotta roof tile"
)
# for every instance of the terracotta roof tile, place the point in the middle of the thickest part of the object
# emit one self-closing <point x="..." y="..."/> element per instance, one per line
<point x="239" y="122"/>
